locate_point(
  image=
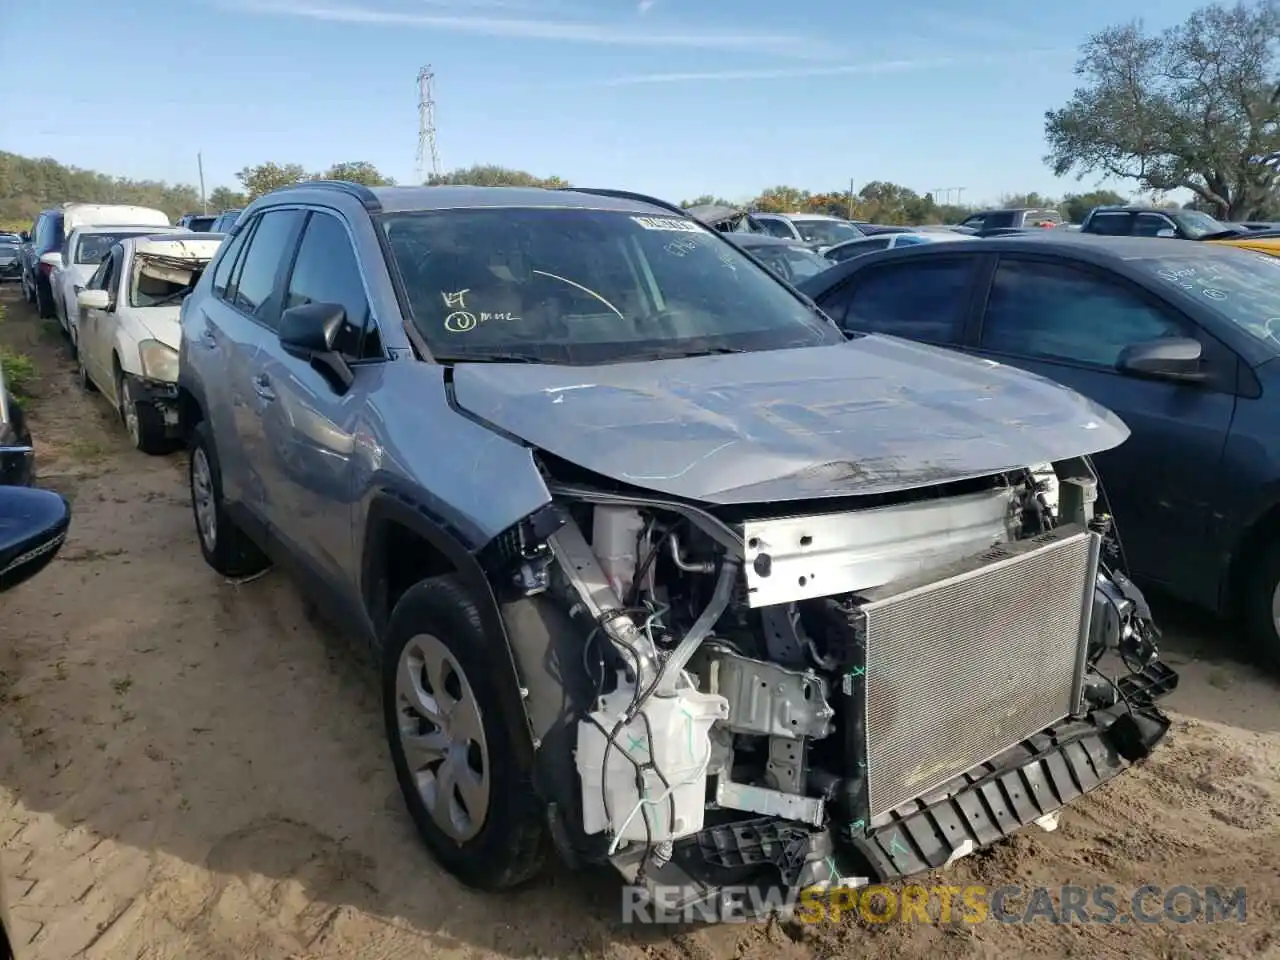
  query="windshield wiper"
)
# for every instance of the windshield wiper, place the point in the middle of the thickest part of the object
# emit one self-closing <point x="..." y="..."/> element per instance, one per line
<point x="489" y="358"/>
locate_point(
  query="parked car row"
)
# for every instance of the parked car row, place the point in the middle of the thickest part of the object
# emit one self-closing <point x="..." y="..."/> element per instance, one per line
<point x="587" y="475"/>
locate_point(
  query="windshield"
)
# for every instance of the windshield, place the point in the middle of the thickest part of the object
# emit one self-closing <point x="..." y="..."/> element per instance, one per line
<point x="1240" y="286"/>
<point x="1196" y="224"/>
<point x="159" y="281"/>
<point x="92" y="247"/>
<point x="588" y="286"/>
<point x="826" y="232"/>
<point x="792" y="264"/>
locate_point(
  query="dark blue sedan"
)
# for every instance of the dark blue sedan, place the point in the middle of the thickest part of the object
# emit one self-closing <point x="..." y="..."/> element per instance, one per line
<point x="1181" y="340"/>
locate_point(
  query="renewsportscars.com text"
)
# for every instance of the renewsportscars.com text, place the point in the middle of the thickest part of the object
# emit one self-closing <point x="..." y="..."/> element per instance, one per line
<point x="973" y="904"/>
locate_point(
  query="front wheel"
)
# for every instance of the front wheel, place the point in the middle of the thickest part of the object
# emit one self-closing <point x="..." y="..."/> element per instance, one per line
<point x="1262" y="607"/>
<point x="464" y="783"/>
<point x="44" y="300"/>
<point x="142" y="420"/>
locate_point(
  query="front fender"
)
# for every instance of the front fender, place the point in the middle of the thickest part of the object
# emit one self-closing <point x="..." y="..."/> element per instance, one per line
<point x="390" y="506"/>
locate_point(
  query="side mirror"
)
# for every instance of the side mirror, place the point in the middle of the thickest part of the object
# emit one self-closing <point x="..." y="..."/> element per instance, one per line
<point x="1167" y="234"/>
<point x="93" y="299"/>
<point x="1169" y="358"/>
<point x="309" y="331"/>
<point x="33" y="527"/>
<point x="52" y="259"/>
<point x="26" y="236"/>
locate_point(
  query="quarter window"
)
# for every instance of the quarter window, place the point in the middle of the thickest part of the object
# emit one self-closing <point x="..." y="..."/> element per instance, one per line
<point x="1058" y="312"/>
<point x="227" y="262"/>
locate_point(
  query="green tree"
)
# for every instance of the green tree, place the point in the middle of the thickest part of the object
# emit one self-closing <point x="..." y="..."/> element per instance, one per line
<point x="224" y="198"/>
<point x="491" y="175"/>
<point x="1190" y="108"/>
<point x="707" y="200"/>
<point x="29" y="184"/>
<point x="782" y="199"/>
<point x="265" y="177"/>
<point x="1076" y="206"/>
<point x="358" y="171"/>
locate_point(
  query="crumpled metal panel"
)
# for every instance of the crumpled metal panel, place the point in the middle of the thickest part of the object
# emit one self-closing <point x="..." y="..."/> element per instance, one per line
<point x="875" y="414"/>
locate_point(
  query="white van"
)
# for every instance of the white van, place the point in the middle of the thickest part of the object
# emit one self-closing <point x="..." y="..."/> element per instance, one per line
<point x="49" y="233"/>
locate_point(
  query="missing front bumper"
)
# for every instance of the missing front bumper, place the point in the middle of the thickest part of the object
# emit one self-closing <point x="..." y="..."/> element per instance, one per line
<point x="161" y="397"/>
<point x="1027" y="783"/>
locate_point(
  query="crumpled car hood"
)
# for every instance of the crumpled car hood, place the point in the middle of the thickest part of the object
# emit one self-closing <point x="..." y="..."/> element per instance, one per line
<point x="874" y="415"/>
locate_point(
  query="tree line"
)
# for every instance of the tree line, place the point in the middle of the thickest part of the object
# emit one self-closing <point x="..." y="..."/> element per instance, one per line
<point x="28" y="185"/>
<point x="1195" y="107"/>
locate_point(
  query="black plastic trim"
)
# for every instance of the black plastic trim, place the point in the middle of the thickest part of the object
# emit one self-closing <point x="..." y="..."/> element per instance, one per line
<point x="362" y="193"/>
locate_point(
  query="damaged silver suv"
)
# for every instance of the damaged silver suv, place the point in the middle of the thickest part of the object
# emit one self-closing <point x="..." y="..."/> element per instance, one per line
<point x="662" y="570"/>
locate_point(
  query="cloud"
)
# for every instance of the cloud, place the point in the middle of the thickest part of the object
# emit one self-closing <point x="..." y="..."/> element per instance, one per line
<point x="835" y="70"/>
<point x="529" y="28"/>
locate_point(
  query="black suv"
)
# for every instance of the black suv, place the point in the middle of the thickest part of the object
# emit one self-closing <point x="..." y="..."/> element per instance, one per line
<point x="1172" y="223"/>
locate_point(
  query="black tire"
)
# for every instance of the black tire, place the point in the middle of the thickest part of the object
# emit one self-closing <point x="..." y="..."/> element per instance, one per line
<point x="44" y="300"/>
<point x="231" y="553"/>
<point x="28" y="293"/>
<point x="82" y="372"/>
<point x="1260" y="621"/>
<point x="150" y="437"/>
<point x="511" y="846"/>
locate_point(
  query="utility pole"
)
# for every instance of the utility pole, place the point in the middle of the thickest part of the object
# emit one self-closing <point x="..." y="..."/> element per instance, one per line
<point x="427" y="125"/>
<point x="850" y="217"/>
<point x="204" y="204"/>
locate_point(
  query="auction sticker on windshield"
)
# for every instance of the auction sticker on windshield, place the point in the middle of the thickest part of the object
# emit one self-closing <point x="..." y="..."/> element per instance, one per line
<point x="670" y="224"/>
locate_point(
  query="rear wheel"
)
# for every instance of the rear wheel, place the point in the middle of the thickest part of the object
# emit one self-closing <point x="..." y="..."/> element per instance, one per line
<point x="224" y="546"/>
<point x="464" y="783"/>
<point x="82" y="372"/>
<point x="44" y="300"/>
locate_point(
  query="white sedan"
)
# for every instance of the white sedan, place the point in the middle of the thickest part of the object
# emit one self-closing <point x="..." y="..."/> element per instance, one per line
<point x="887" y="241"/>
<point x="129" y="329"/>
<point x="80" y="256"/>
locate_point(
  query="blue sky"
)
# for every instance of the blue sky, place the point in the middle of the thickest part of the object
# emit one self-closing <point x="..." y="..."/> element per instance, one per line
<point x="670" y="97"/>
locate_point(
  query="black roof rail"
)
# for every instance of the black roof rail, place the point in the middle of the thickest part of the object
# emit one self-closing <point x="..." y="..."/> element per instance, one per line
<point x="629" y="195"/>
<point x="357" y="190"/>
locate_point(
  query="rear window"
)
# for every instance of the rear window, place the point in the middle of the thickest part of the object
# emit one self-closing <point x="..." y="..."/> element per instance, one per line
<point x="91" y="248"/>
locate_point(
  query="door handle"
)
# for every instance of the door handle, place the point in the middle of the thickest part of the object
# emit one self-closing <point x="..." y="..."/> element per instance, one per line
<point x="262" y="387"/>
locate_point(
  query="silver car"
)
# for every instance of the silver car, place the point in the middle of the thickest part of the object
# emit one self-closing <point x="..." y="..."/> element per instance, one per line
<point x="662" y="570"/>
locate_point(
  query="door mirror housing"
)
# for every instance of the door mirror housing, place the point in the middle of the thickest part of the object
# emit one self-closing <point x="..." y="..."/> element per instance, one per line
<point x="53" y="259"/>
<point x="309" y="331"/>
<point x="33" y="527"/>
<point x="1169" y="358"/>
<point x="1167" y="233"/>
<point x="93" y="300"/>
<point x="26" y="236"/>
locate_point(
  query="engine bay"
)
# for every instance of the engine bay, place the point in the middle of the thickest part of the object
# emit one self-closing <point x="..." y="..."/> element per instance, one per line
<point x="827" y="673"/>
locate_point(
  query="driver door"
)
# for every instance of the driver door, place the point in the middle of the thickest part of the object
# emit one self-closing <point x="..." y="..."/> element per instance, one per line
<point x="93" y="323"/>
<point x="1069" y="323"/>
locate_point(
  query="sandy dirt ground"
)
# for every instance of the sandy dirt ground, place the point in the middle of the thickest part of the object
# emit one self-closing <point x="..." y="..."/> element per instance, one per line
<point x="195" y="769"/>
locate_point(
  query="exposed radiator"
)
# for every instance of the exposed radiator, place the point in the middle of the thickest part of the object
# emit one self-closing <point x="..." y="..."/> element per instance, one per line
<point x="963" y="667"/>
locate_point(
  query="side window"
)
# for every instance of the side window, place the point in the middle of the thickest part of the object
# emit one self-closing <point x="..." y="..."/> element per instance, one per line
<point x="99" y="279"/>
<point x="111" y="280"/>
<point x="1060" y="312"/>
<point x="779" y="228"/>
<point x="226" y="263"/>
<point x="921" y="300"/>
<point x="857" y="248"/>
<point x="1150" y="224"/>
<point x="260" y="266"/>
<point x="1111" y="224"/>
<point x="327" y="271"/>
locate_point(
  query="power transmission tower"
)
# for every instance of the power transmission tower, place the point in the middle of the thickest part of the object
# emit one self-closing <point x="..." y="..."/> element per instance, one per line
<point x="427" y="125"/>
